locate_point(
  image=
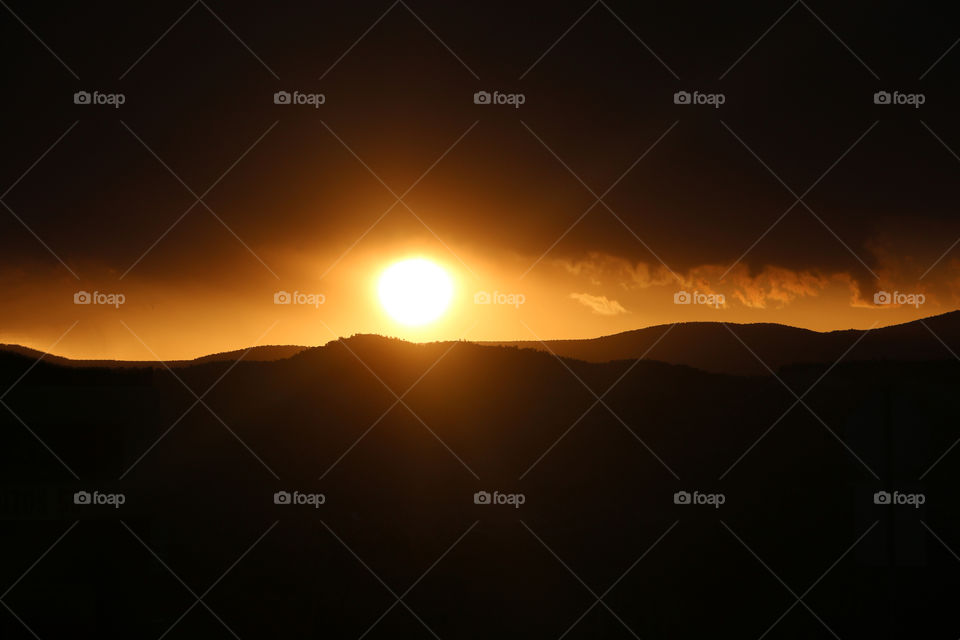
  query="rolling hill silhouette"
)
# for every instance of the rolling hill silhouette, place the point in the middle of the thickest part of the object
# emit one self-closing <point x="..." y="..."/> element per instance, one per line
<point x="711" y="347"/>
<point x="399" y="437"/>
<point x="263" y="353"/>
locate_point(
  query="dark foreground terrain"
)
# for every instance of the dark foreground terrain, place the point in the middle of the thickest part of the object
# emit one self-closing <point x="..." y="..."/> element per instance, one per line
<point x="788" y="540"/>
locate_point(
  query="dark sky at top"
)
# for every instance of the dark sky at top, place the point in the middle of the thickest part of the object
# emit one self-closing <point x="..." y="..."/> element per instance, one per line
<point x="796" y="102"/>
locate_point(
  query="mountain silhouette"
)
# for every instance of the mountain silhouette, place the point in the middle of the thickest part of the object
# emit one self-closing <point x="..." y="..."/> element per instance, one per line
<point x="262" y="353"/>
<point x="741" y="349"/>
<point x="712" y="347"/>
<point x="402" y="438"/>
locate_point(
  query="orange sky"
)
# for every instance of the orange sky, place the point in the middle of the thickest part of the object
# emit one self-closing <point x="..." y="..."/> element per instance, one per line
<point x="560" y="298"/>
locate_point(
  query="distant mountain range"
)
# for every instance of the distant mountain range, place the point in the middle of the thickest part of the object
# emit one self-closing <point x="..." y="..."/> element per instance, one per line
<point x="402" y="441"/>
<point x="712" y="346"/>
<point x="715" y="347"/>
<point x="265" y="353"/>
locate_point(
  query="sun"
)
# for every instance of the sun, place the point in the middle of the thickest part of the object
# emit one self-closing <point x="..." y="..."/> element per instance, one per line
<point x="415" y="291"/>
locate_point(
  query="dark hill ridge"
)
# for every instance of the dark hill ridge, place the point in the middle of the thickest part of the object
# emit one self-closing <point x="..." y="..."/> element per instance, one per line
<point x="710" y="346"/>
<point x="264" y="353"/>
<point x="399" y="484"/>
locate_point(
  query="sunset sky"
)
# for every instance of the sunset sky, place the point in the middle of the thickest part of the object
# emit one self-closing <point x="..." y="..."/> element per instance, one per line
<point x="589" y="206"/>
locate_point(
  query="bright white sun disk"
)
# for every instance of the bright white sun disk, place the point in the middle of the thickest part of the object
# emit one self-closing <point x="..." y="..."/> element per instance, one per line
<point x="415" y="291"/>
